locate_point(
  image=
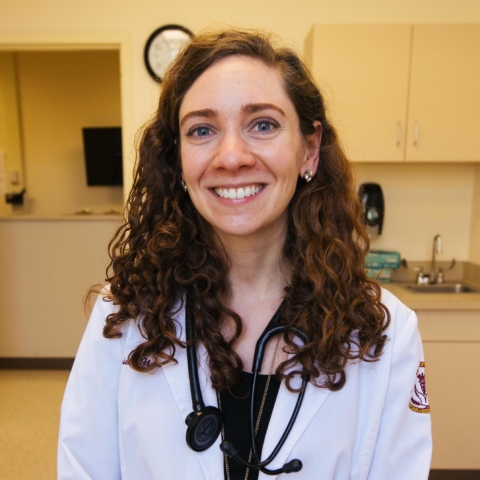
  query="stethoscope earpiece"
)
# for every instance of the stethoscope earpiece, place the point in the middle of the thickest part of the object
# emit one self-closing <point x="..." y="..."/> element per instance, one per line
<point x="203" y="428"/>
<point x="292" y="466"/>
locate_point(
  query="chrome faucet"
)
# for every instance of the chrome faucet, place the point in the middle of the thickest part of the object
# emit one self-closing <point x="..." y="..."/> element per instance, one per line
<point x="436" y="274"/>
<point x="437" y="248"/>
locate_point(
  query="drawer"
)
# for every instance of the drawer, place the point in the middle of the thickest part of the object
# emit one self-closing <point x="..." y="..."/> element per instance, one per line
<point x="449" y="325"/>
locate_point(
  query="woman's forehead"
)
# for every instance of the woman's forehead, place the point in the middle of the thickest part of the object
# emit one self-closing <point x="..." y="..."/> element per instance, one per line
<point x="236" y="80"/>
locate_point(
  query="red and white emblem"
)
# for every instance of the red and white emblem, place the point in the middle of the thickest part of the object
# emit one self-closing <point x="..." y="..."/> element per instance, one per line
<point x="419" y="401"/>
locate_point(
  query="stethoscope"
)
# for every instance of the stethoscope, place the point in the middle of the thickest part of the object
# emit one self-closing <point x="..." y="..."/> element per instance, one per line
<point x="205" y="423"/>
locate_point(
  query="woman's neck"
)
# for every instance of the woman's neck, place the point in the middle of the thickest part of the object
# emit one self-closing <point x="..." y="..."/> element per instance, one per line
<point x="258" y="274"/>
<point x="258" y="269"/>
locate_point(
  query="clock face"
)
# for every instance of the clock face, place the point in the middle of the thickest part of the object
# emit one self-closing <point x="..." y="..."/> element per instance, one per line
<point x="162" y="46"/>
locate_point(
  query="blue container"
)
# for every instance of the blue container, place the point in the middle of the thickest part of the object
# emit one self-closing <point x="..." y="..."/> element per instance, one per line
<point x="378" y="259"/>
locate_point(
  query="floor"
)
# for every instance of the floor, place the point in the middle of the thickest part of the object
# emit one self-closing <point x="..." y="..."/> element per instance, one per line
<point x="29" y="418"/>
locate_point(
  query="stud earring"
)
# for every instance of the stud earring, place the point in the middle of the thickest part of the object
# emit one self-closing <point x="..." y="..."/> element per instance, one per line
<point x="184" y="186"/>
<point x="307" y="176"/>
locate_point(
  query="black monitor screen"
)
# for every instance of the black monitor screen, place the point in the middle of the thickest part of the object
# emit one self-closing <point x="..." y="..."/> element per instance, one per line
<point x="102" y="148"/>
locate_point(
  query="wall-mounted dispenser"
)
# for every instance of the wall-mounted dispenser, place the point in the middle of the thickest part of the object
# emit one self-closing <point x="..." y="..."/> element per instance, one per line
<point x="373" y="206"/>
<point x="15" y="198"/>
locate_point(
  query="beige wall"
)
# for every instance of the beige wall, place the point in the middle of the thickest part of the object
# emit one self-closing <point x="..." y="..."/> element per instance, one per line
<point x="43" y="282"/>
<point x="421" y="201"/>
<point x="290" y="20"/>
<point x="10" y="132"/>
<point x="61" y="92"/>
<point x="290" y="23"/>
<point x="411" y="211"/>
<point x="475" y="226"/>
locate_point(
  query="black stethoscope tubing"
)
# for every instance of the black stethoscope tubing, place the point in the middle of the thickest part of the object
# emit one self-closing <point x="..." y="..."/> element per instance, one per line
<point x="204" y="423"/>
<point x="258" y="357"/>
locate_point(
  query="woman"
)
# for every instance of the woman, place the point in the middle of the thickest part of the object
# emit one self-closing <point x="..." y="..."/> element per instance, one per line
<point x="243" y="213"/>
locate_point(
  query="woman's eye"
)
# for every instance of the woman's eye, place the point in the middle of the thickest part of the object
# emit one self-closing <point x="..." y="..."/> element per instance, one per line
<point x="264" y="126"/>
<point x="199" y="132"/>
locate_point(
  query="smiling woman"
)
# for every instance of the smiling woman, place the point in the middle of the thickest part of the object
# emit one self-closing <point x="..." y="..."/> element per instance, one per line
<point x="242" y="156"/>
<point x="243" y="251"/>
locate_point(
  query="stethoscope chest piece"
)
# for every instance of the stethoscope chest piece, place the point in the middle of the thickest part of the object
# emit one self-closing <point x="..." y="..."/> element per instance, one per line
<point x="203" y="428"/>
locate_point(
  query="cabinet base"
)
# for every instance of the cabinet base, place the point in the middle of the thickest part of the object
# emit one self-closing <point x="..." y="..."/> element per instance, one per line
<point x="454" y="475"/>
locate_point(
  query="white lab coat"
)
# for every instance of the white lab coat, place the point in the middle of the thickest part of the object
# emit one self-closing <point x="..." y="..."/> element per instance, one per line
<point x="117" y="423"/>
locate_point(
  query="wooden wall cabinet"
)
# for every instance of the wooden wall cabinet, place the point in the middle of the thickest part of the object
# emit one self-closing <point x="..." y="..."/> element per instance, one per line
<point x="451" y="342"/>
<point x="401" y="92"/>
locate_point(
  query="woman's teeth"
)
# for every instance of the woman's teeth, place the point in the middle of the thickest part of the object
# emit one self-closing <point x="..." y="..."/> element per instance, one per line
<point x="234" y="193"/>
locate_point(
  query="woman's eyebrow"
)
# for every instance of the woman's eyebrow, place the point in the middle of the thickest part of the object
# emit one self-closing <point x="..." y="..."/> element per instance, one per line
<point x="248" y="108"/>
<point x="258" y="107"/>
<point x="205" y="113"/>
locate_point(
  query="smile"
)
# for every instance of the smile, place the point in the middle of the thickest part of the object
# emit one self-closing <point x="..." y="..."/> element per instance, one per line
<point x="242" y="192"/>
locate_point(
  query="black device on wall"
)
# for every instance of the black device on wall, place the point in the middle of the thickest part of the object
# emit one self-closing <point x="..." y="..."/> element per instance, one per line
<point x="102" y="147"/>
<point x="373" y="206"/>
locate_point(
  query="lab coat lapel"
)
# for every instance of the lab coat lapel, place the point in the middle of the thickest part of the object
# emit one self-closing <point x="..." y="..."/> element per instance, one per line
<point x="211" y="460"/>
<point x="282" y="412"/>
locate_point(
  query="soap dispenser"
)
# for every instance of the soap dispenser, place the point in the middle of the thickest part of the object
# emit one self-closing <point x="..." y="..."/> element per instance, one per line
<point x="371" y="197"/>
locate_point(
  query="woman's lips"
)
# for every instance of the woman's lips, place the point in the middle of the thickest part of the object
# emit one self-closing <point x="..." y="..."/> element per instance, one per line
<point x="239" y="193"/>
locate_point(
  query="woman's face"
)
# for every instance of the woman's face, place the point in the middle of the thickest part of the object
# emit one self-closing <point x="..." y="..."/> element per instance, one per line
<point x="241" y="147"/>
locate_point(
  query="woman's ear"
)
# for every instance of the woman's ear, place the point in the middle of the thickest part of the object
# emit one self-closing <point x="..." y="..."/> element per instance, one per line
<point x="312" y="156"/>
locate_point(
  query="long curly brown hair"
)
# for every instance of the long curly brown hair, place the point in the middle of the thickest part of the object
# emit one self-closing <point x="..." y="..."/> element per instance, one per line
<point x="166" y="250"/>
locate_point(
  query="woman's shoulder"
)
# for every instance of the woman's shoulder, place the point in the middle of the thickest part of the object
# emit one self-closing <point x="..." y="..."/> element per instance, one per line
<point x="103" y="308"/>
<point x="131" y="330"/>
<point x="401" y="316"/>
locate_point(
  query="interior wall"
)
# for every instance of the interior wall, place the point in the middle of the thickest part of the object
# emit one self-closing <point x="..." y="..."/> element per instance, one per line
<point x="10" y="131"/>
<point x="421" y="201"/>
<point x="405" y="214"/>
<point x="61" y="92"/>
<point x="475" y="226"/>
<point x="290" y="21"/>
<point x="43" y="282"/>
<point x="290" y="24"/>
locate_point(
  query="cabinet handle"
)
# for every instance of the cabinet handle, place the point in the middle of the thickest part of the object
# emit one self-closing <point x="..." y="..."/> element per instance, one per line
<point x="399" y="133"/>
<point x="416" y="129"/>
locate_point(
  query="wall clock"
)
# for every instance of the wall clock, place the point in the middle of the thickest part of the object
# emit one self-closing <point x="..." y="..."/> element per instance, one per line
<point x="162" y="46"/>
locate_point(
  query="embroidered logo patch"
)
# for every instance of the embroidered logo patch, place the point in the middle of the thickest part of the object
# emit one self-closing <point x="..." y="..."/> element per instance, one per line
<point x="419" y="400"/>
<point x="146" y="362"/>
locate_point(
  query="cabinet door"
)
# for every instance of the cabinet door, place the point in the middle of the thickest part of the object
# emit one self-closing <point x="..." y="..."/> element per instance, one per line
<point x="362" y="71"/>
<point x="453" y="390"/>
<point x="444" y="105"/>
<point x="451" y="343"/>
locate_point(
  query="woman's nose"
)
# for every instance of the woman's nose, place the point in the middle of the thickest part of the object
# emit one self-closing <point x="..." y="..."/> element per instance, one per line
<point x="233" y="153"/>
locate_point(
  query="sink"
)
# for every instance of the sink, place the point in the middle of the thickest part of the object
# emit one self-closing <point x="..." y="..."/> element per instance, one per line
<point x="441" y="288"/>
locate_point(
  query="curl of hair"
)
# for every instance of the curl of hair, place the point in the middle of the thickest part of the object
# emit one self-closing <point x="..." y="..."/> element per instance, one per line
<point x="165" y="249"/>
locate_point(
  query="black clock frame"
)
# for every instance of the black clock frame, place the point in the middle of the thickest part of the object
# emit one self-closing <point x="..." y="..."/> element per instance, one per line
<point x="150" y="40"/>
